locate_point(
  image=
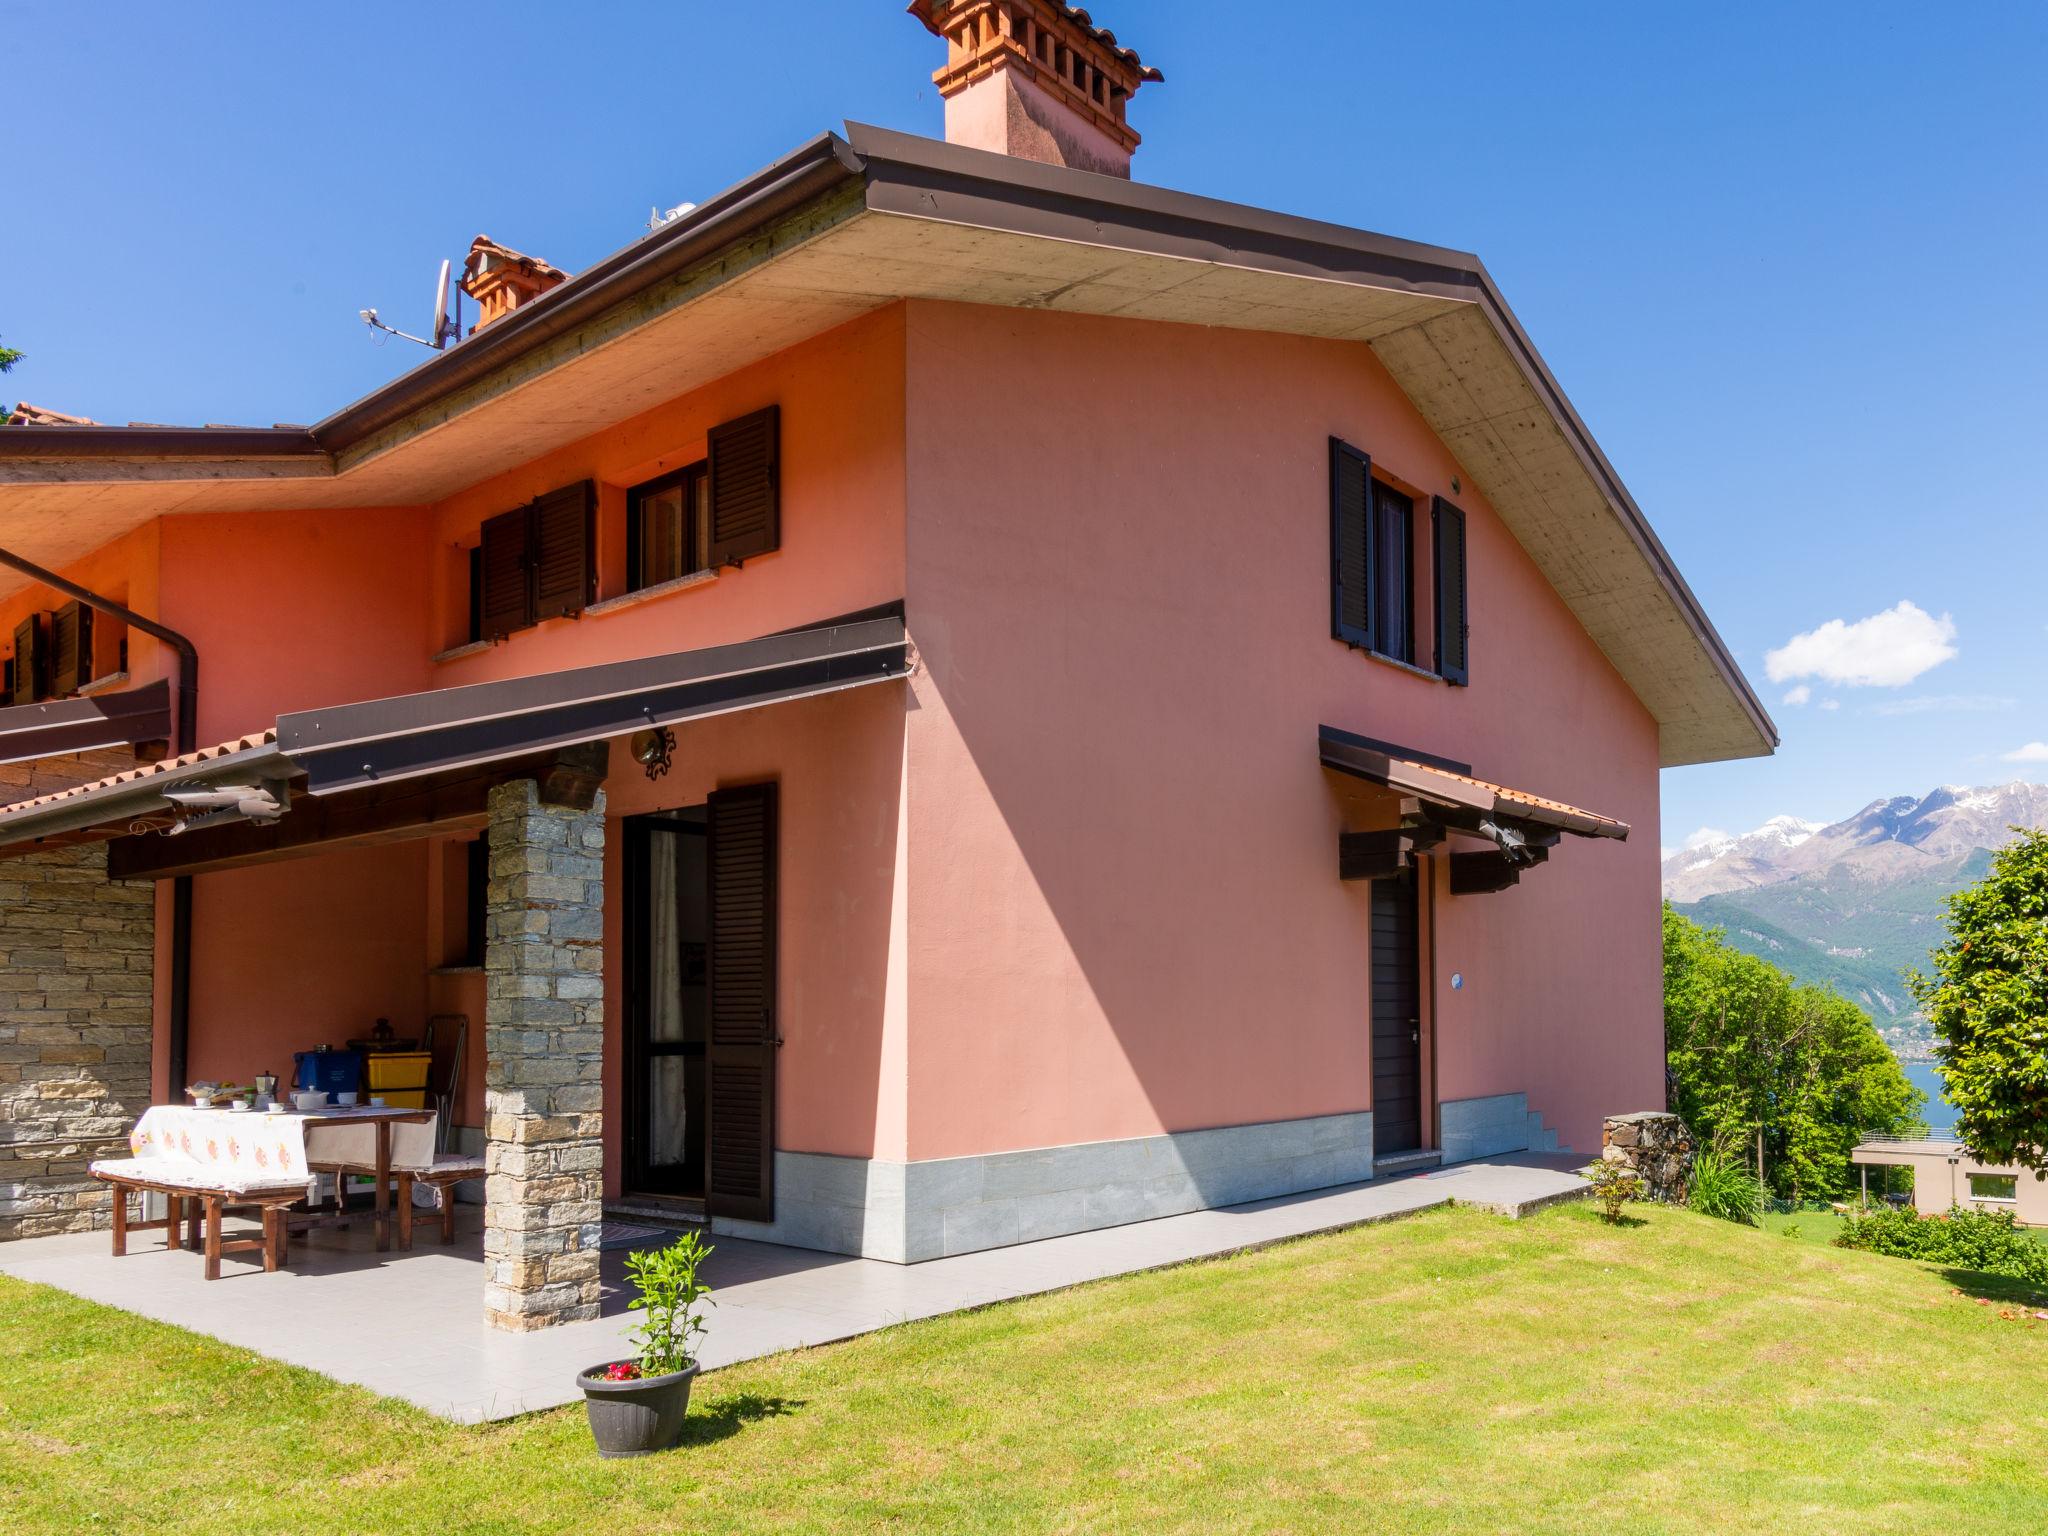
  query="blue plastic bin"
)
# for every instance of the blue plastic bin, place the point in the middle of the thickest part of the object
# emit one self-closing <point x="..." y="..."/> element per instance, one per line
<point x="328" y="1071"/>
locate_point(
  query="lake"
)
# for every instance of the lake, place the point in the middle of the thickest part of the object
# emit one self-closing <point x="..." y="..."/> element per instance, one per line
<point x="1941" y="1115"/>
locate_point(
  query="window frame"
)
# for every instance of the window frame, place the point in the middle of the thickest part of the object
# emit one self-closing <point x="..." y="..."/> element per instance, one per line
<point x="695" y="478"/>
<point x="2010" y="1179"/>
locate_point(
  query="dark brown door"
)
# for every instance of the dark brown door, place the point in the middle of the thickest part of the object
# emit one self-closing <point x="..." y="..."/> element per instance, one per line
<point x="1396" y="1018"/>
<point x="740" y="1175"/>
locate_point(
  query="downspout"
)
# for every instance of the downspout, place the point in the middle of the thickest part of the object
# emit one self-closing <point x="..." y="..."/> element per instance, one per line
<point x="187" y="732"/>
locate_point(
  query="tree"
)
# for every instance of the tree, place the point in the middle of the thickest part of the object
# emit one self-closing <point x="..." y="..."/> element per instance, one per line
<point x="8" y="358"/>
<point x="1796" y="1074"/>
<point x="1988" y="1003"/>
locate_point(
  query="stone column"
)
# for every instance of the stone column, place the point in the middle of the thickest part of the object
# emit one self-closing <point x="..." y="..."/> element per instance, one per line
<point x="76" y="957"/>
<point x="543" y="1049"/>
<point x="1657" y="1146"/>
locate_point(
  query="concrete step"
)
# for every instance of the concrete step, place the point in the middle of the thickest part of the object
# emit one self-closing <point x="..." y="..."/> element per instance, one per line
<point x="1405" y="1162"/>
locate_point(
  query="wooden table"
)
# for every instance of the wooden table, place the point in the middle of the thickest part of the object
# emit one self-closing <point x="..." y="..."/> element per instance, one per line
<point x="379" y="1166"/>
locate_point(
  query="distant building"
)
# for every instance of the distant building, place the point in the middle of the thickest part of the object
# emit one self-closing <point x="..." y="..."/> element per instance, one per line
<point x="1945" y="1174"/>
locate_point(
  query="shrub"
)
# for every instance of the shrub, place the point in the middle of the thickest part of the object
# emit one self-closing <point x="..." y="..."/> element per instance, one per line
<point x="667" y="1295"/>
<point x="1614" y="1185"/>
<point x="1986" y="1241"/>
<point x="1723" y="1188"/>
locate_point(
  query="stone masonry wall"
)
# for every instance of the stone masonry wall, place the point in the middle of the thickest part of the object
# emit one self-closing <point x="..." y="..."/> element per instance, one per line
<point x="76" y="960"/>
<point x="543" y="1070"/>
<point x="1657" y="1145"/>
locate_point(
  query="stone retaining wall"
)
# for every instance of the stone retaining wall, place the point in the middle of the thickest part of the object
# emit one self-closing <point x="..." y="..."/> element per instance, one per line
<point x="77" y="956"/>
<point x="1658" y="1146"/>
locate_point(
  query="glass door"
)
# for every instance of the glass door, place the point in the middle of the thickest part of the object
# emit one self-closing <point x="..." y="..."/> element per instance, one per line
<point x="667" y="930"/>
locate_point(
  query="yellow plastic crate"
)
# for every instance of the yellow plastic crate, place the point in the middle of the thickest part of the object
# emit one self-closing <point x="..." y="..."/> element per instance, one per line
<point x="393" y="1072"/>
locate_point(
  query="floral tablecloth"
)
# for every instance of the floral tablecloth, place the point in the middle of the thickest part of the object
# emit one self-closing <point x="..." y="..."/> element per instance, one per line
<point x="271" y="1144"/>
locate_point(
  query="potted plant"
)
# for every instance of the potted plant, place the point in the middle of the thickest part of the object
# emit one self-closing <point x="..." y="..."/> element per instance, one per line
<point x="637" y="1406"/>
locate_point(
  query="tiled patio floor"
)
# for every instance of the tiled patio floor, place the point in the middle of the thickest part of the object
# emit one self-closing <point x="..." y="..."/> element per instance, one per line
<point x="411" y="1325"/>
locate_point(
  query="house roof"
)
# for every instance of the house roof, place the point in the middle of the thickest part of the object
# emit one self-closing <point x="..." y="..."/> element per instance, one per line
<point x="842" y="227"/>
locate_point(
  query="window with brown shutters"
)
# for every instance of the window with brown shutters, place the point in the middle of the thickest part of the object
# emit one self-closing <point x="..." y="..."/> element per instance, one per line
<point x="666" y="525"/>
<point x="1453" y="636"/>
<point x="1351" y="565"/>
<point x="536" y="562"/>
<point x="70" y="649"/>
<point x="740" y="968"/>
<point x="746" y="491"/>
<point x="30" y="661"/>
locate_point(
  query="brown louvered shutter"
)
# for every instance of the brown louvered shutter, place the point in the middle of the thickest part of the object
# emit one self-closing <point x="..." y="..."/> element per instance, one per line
<point x="1350" y="545"/>
<point x="28" y="660"/>
<point x="740" y="1090"/>
<point x="564" y="551"/>
<point x="1453" y="642"/>
<point x="507" y="574"/>
<point x="70" y="650"/>
<point x="746" y="487"/>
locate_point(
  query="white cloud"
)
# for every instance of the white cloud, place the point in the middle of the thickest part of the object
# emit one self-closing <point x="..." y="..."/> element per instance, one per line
<point x="1798" y="695"/>
<point x="2032" y="752"/>
<point x="1886" y="650"/>
<point x="1944" y="703"/>
<point x="1830" y="703"/>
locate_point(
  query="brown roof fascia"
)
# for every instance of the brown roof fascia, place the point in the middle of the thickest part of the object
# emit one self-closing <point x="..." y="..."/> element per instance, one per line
<point x="924" y="178"/>
<point x="204" y="443"/>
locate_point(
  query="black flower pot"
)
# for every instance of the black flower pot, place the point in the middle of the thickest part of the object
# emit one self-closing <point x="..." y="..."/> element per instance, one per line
<point x="637" y="1417"/>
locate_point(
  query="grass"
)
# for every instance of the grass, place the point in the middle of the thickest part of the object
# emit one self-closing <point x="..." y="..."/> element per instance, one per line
<point x="1451" y="1372"/>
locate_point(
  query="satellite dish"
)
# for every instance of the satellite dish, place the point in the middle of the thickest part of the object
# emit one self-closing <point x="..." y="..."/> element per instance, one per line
<point x="440" y="330"/>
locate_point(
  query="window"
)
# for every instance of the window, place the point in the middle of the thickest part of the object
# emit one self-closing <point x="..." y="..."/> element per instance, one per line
<point x="1994" y="1186"/>
<point x="1373" y="576"/>
<point x="1393" y="536"/>
<point x="667" y="525"/>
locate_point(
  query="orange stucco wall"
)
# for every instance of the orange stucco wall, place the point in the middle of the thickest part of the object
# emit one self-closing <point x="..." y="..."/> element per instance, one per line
<point x="1124" y="910"/>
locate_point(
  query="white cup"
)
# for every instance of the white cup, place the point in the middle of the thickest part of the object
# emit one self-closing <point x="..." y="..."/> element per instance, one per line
<point x="345" y="1100"/>
<point x="375" y="1102"/>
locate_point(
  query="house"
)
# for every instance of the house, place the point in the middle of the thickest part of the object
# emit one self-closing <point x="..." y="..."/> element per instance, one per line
<point x="944" y="696"/>
<point x="1946" y="1175"/>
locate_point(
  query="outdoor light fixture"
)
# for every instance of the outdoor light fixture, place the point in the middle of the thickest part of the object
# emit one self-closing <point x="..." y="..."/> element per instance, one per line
<point x="655" y="750"/>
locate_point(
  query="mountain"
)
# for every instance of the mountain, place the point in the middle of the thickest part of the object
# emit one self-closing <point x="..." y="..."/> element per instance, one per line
<point x="1853" y="903"/>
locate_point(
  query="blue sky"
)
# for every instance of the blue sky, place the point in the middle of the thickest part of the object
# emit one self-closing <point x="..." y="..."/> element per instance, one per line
<point x="1787" y="261"/>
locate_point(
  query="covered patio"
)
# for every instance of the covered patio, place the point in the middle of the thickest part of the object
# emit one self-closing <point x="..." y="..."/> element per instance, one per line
<point x="405" y="1324"/>
<point x="515" y="770"/>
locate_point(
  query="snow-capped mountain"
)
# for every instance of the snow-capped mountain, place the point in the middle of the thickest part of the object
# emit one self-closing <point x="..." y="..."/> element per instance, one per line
<point x="1854" y="903"/>
<point x="1888" y="839"/>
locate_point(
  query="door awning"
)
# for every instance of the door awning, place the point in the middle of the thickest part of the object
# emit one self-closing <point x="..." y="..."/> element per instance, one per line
<point x="429" y="735"/>
<point x="1439" y="784"/>
<point x="130" y="718"/>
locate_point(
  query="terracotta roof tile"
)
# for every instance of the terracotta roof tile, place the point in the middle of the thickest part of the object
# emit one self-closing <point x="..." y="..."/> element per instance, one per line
<point x="26" y="415"/>
<point x="145" y="771"/>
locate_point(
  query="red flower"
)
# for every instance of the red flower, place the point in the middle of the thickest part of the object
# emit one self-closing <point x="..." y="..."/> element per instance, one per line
<point x="622" y="1370"/>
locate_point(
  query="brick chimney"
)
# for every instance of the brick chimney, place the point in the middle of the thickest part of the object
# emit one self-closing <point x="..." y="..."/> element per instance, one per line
<point x="501" y="279"/>
<point x="1036" y="79"/>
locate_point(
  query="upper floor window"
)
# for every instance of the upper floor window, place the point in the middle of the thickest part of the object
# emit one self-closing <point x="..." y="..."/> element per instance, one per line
<point x="667" y="527"/>
<point x="1373" y="576"/>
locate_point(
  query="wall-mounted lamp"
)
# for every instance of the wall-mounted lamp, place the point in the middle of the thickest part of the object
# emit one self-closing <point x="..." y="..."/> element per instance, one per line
<point x="655" y="750"/>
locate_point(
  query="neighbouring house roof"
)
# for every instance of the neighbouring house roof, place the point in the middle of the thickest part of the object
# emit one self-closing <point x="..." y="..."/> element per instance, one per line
<point x="26" y="415"/>
<point x="383" y="741"/>
<point x="1381" y="763"/>
<point x="842" y="227"/>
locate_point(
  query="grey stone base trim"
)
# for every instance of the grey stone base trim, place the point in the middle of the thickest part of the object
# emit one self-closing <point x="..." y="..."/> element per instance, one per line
<point x="907" y="1212"/>
<point x="1487" y="1127"/>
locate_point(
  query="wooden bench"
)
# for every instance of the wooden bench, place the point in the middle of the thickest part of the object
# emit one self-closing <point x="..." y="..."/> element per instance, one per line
<point x="189" y="1192"/>
<point x="449" y="1170"/>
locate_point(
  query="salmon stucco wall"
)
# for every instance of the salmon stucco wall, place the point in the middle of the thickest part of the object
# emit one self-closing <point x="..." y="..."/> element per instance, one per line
<point x="1124" y="910"/>
<point x="838" y="763"/>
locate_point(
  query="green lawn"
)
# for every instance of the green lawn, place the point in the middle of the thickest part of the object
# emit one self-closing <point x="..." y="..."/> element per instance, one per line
<point x="1451" y="1372"/>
